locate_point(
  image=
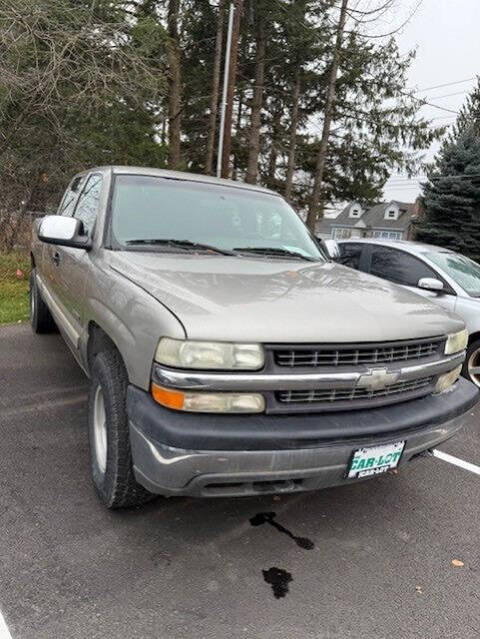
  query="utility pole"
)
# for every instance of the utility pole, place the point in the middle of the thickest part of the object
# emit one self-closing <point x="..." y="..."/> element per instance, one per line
<point x="217" y="64"/>
<point x="329" y="106"/>
<point x="231" y="61"/>
<point x="225" y="89"/>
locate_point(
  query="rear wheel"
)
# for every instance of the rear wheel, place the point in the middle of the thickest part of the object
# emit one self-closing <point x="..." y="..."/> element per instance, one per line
<point x="471" y="367"/>
<point x="41" y="319"/>
<point x="110" y="454"/>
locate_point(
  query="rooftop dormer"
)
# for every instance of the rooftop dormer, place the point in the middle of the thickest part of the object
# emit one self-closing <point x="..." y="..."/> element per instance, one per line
<point x="355" y="210"/>
<point x="392" y="212"/>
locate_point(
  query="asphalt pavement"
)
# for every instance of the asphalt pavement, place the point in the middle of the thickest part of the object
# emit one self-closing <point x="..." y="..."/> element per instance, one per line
<point x="369" y="560"/>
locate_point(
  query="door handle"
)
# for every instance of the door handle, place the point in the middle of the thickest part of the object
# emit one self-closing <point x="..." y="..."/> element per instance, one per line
<point x="56" y="258"/>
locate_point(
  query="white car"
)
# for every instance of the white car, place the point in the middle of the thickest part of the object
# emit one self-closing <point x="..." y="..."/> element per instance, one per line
<point x="448" y="278"/>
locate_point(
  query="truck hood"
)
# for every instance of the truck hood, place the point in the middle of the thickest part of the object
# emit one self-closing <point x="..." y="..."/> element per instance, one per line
<point x="269" y="300"/>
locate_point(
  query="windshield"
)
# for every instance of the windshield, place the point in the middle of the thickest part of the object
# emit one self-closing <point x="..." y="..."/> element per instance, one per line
<point x="155" y="208"/>
<point x="462" y="270"/>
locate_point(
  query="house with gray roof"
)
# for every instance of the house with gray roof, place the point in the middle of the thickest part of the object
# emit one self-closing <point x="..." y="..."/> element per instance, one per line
<point x="389" y="220"/>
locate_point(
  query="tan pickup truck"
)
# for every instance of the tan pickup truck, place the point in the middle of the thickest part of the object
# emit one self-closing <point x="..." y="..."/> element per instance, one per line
<point x="227" y="355"/>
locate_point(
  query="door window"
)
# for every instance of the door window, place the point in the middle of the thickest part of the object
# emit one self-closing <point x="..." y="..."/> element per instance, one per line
<point x="350" y="255"/>
<point x="461" y="269"/>
<point x="70" y="197"/>
<point x="398" y="267"/>
<point x="87" y="207"/>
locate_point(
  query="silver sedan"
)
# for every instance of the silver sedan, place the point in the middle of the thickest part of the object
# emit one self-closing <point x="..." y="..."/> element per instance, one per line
<point x="448" y="278"/>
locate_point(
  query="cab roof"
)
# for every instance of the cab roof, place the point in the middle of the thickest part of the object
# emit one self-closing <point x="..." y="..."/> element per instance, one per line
<point x="180" y="175"/>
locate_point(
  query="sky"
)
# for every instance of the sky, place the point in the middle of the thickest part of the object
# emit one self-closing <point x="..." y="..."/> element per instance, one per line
<point x="445" y="34"/>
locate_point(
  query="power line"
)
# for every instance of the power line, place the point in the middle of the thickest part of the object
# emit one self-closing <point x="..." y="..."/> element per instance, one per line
<point x="459" y="175"/>
<point x="394" y="180"/>
<point x="444" y="117"/>
<point x="408" y="187"/>
<point x="424" y="102"/>
<point x="447" y="84"/>
<point x="449" y="95"/>
<point x="436" y="106"/>
<point x="412" y="183"/>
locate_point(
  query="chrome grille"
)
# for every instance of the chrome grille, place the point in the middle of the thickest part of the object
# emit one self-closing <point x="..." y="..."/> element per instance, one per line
<point x="325" y="355"/>
<point x="341" y="395"/>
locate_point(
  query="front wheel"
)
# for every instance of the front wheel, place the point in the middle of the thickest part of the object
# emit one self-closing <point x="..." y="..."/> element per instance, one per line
<point x="110" y="454"/>
<point x="471" y="366"/>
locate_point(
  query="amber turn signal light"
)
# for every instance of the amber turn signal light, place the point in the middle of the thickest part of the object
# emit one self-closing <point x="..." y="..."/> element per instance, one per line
<point x="167" y="397"/>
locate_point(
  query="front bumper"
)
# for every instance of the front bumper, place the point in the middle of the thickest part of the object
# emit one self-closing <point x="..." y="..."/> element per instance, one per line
<point x="209" y="455"/>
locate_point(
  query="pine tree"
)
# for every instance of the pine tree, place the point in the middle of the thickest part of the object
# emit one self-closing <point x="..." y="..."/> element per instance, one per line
<point x="469" y="114"/>
<point x="451" y="196"/>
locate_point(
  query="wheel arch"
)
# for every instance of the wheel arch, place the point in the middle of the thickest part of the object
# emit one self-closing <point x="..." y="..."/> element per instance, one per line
<point x="473" y="337"/>
<point x="98" y="341"/>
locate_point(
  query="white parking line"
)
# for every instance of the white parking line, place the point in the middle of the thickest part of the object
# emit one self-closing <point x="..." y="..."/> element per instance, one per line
<point x="4" y="631"/>
<point x="456" y="462"/>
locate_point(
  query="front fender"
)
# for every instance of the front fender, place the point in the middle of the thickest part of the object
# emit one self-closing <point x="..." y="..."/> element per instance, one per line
<point x="132" y="319"/>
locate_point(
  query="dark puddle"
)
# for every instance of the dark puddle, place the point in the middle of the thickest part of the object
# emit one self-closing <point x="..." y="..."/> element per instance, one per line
<point x="269" y="518"/>
<point x="279" y="580"/>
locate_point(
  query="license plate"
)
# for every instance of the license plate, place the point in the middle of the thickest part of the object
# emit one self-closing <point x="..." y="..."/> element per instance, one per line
<point x="375" y="460"/>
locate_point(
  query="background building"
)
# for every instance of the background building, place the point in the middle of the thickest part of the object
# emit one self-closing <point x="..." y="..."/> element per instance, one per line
<point x="392" y="220"/>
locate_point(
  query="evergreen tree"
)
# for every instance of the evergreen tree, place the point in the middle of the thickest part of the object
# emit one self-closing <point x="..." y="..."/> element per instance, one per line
<point x="469" y="114"/>
<point x="451" y="197"/>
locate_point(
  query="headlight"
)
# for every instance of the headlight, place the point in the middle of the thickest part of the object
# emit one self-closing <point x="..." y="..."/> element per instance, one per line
<point x="200" y="402"/>
<point x="447" y="380"/>
<point x="456" y="342"/>
<point x="212" y="355"/>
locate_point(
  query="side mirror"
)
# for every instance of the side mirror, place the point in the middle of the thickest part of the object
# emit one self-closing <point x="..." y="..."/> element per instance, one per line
<point x="332" y="248"/>
<point x="430" y="284"/>
<point x="62" y="230"/>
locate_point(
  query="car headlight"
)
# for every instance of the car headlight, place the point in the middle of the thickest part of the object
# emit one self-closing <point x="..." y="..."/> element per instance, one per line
<point x="456" y="342"/>
<point x="206" y="402"/>
<point x="447" y="380"/>
<point x="211" y="355"/>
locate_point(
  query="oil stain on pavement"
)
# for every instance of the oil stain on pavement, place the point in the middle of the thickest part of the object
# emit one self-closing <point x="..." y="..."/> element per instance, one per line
<point x="269" y="518"/>
<point x="279" y="578"/>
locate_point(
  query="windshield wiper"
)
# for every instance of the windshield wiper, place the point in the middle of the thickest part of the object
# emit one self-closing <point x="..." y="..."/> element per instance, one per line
<point x="184" y="244"/>
<point x="269" y="250"/>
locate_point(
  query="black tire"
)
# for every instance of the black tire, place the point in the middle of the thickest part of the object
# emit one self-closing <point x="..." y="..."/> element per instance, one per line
<point x="112" y="472"/>
<point x="41" y="319"/>
<point x="472" y="358"/>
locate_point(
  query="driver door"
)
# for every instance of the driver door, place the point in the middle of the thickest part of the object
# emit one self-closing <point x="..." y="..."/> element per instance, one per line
<point x="74" y="263"/>
<point x="49" y="271"/>
<point x="406" y="269"/>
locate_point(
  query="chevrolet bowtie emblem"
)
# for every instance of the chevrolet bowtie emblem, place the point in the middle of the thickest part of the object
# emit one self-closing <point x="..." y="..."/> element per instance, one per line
<point x="377" y="379"/>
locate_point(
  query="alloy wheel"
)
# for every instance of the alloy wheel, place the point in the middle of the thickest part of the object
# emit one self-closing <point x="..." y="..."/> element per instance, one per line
<point x="100" y="429"/>
<point x="473" y="367"/>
